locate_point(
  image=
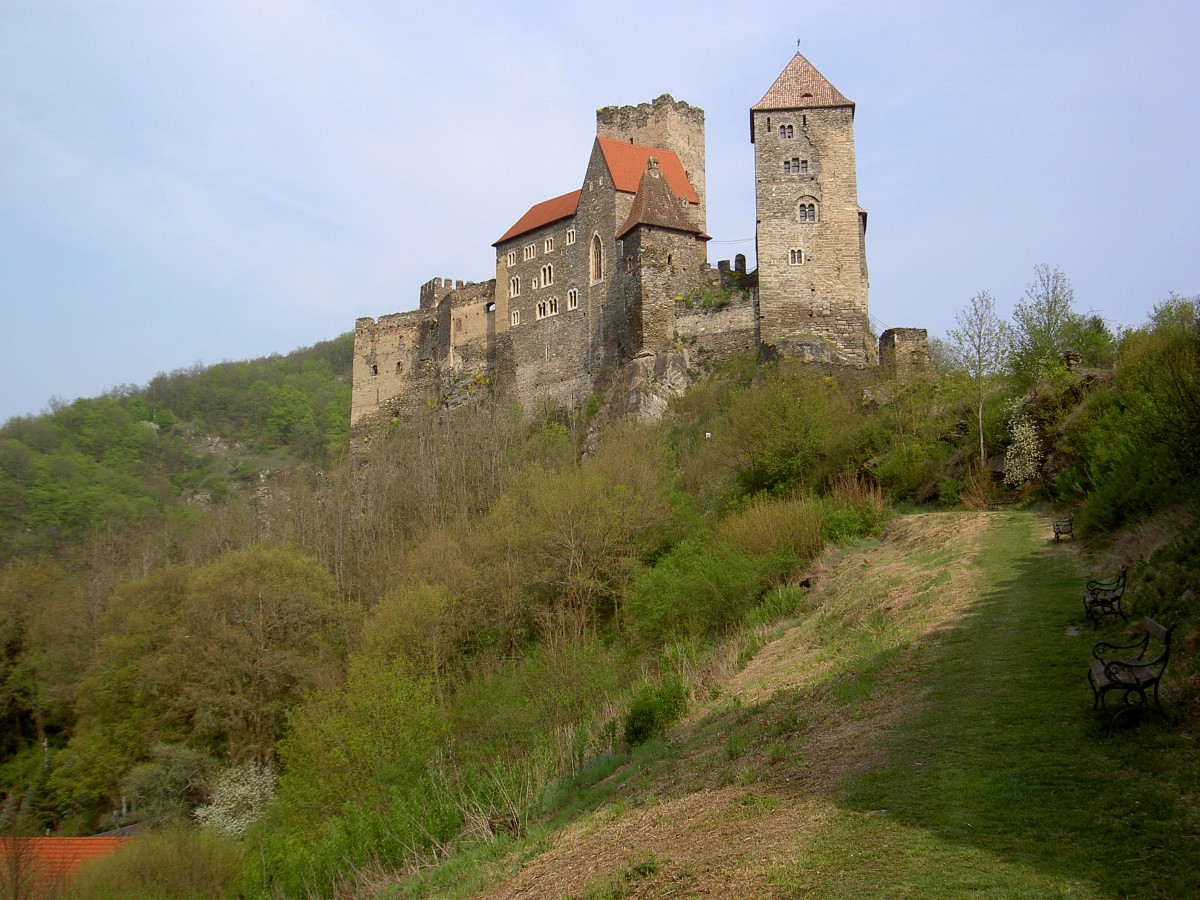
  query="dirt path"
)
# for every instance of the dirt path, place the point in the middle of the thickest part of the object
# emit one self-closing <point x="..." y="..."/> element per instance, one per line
<point x="754" y="771"/>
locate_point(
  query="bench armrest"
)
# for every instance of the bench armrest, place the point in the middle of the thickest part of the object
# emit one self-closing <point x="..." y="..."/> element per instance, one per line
<point x="1114" y="667"/>
<point x="1103" y="650"/>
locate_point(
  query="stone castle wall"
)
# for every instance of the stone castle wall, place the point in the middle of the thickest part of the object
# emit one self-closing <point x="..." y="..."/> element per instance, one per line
<point x="904" y="350"/>
<point x="719" y="332"/>
<point x="812" y="277"/>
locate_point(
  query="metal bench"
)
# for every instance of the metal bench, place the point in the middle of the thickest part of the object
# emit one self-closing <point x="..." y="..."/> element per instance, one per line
<point x="1065" y="528"/>
<point x="1134" y="678"/>
<point x="1103" y="598"/>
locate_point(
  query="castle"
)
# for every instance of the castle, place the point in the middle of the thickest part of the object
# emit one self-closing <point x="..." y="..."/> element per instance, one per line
<point x="592" y="279"/>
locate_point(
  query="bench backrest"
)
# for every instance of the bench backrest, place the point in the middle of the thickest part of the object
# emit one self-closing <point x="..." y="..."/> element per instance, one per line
<point x="1162" y="635"/>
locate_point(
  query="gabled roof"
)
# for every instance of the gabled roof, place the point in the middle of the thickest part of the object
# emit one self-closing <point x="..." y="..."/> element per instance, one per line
<point x="799" y="86"/>
<point x="654" y="204"/>
<point x="627" y="162"/>
<point x="544" y="213"/>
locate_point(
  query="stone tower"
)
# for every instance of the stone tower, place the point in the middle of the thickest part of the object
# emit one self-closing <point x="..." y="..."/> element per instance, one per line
<point x="669" y="124"/>
<point x="811" y="233"/>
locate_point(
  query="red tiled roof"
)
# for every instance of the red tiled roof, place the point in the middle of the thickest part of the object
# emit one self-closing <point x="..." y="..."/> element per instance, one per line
<point x="627" y="162"/>
<point x="801" y="86"/>
<point x="51" y="859"/>
<point x="543" y="213"/>
<point x="654" y="204"/>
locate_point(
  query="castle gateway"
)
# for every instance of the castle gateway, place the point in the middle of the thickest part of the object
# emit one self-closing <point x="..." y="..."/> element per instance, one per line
<point x="588" y="280"/>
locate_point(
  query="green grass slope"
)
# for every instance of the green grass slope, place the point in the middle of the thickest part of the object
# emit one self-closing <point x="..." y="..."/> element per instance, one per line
<point x="923" y="728"/>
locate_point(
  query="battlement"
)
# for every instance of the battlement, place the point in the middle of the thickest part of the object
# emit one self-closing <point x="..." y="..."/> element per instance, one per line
<point x="623" y="118"/>
<point x="668" y="123"/>
<point x="435" y="289"/>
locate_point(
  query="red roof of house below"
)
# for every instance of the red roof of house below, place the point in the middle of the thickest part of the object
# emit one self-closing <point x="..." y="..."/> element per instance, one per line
<point x="543" y="213"/>
<point x="627" y="163"/>
<point x="52" y="859"/>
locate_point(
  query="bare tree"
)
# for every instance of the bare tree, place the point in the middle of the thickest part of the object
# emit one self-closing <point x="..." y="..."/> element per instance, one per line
<point x="981" y="341"/>
<point x="1046" y="321"/>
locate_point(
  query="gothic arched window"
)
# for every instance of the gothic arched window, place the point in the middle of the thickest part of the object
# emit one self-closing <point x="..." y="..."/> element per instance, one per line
<point x="596" y="259"/>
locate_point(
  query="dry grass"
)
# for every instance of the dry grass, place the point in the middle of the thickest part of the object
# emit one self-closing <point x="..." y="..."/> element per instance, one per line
<point x="768" y="526"/>
<point x="753" y="770"/>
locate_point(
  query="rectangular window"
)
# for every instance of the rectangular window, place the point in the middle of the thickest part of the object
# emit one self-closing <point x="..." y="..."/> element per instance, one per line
<point x="803" y="166"/>
<point x="795" y="257"/>
<point x="533" y="282"/>
<point x="514" y="317"/>
<point x="549" y="245"/>
<point x="570" y="236"/>
<point x="528" y="252"/>
<point x="572" y="299"/>
<point x="512" y="258"/>
<point x="620" y="248"/>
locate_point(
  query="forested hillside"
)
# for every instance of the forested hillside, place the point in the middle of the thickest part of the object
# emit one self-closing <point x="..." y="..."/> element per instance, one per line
<point x="119" y="462"/>
<point x="374" y="662"/>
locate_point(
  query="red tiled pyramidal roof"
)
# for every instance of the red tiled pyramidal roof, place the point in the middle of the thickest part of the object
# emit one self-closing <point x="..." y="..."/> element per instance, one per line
<point x="51" y="859"/>
<point x="627" y="162"/>
<point x="801" y="86"/>
<point x="543" y="214"/>
<point x="654" y="204"/>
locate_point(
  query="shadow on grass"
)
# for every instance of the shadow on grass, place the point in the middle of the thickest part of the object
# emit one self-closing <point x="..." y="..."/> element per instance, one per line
<point x="1000" y="751"/>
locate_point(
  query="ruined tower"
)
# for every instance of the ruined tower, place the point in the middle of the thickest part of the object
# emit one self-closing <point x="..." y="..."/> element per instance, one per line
<point x="811" y="233"/>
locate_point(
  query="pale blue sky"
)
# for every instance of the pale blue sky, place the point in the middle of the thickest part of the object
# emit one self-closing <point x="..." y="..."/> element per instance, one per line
<point x="209" y="180"/>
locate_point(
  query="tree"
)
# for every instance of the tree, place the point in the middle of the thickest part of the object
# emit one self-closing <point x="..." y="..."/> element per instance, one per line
<point x="256" y="630"/>
<point x="981" y="343"/>
<point x="1046" y="322"/>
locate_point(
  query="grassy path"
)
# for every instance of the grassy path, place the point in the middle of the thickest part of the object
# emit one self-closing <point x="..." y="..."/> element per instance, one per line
<point x="923" y="730"/>
<point x="997" y="783"/>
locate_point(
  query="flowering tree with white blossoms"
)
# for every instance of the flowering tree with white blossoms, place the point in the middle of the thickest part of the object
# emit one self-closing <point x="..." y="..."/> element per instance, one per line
<point x="239" y="798"/>
<point x="1023" y="460"/>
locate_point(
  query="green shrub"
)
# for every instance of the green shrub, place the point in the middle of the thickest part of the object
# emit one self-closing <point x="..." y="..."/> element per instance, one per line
<point x="779" y="603"/>
<point x="177" y="863"/>
<point x="653" y="708"/>
<point x="692" y="592"/>
<point x="949" y="490"/>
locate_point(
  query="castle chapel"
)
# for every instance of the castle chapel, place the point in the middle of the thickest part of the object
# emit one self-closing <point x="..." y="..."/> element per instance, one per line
<point x="589" y="280"/>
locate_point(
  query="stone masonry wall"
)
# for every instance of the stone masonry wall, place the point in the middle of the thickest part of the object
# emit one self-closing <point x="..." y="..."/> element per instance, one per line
<point x="823" y="291"/>
<point x="389" y="371"/>
<point x="667" y="265"/>
<point x="719" y="332"/>
<point x="548" y="344"/>
<point x="904" y="350"/>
